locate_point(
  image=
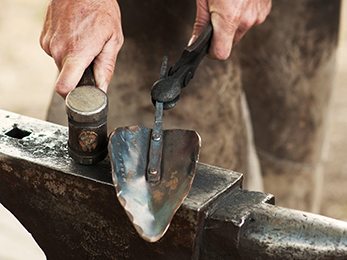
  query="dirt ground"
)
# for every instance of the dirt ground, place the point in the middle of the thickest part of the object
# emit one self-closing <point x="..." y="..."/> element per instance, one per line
<point x="27" y="75"/>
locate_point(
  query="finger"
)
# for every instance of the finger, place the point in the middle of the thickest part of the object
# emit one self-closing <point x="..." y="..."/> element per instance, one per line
<point x="105" y="62"/>
<point x="263" y="11"/>
<point x="201" y="20"/>
<point x="45" y="35"/>
<point x="248" y="20"/>
<point x="224" y="30"/>
<point x="71" y="73"/>
<point x="245" y="25"/>
<point x="239" y="35"/>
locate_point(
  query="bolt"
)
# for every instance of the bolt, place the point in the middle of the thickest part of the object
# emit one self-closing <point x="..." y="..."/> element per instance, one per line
<point x="156" y="137"/>
<point x="153" y="171"/>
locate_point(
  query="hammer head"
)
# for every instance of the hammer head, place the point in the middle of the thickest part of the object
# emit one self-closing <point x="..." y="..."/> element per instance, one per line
<point x="86" y="107"/>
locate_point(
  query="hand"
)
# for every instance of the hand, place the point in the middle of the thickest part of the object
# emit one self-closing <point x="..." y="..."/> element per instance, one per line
<point x="231" y="19"/>
<point x="78" y="32"/>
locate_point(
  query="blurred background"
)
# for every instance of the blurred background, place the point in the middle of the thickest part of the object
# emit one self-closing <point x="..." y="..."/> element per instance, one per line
<point x="27" y="77"/>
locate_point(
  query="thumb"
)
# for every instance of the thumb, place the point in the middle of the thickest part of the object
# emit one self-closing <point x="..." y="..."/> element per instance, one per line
<point x="105" y="62"/>
<point x="201" y="20"/>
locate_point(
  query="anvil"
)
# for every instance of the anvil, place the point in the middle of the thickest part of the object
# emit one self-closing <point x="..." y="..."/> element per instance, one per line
<point x="73" y="213"/>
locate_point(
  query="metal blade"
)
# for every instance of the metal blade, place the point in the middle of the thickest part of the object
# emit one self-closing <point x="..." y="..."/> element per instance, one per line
<point x="151" y="207"/>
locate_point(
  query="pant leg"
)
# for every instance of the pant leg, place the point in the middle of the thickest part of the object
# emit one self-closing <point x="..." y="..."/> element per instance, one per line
<point x="288" y="67"/>
<point x="211" y="104"/>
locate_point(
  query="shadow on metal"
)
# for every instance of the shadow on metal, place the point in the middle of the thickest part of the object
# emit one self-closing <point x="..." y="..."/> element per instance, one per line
<point x="151" y="206"/>
<point x="73" y="213"/>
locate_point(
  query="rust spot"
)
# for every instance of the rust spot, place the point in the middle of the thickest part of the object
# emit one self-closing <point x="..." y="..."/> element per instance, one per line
<point x="134" y="128"/>
<point x="131" y="175"/>
<point x="88" y="140"/>
<point x="158" y="195"/>
<point x="172" y="183"/>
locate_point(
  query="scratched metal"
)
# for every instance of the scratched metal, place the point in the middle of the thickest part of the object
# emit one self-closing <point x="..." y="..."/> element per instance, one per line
<point x="151" y="207"/>
<point x="72" y="211"/>
<point x="258" y="230"/>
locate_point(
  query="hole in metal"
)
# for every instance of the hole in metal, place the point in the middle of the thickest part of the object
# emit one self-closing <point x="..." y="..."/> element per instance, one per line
<point x="18" y="133"/>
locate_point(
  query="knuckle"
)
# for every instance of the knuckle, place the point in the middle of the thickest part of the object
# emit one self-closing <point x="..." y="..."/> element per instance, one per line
<point x="247" y="23"/>
<point x="227" y="22"/>
<point x="65" y="51"/>
<point x="201" y="22"/>
<point x="260" y="20"/>
<point x="220" y="54"/>
<point x="44" y="43"/>
<point x="230" y="22"/>
<point x="55" y="49"/>
<point x="263" y="14"/>
<point x="119" y="40"/>
<point x="110" y="66"/>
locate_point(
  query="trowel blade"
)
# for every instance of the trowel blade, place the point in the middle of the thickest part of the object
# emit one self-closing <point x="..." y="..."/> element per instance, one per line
<point x="150" y="207"/>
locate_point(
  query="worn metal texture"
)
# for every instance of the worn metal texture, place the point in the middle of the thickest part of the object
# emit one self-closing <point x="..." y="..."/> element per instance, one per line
<point x="275" y="232"/>
<point x="72" y="210"/>
<point x="151" y="206"/>
<point x="244" y="227"/>
<point x="87" y="107"/>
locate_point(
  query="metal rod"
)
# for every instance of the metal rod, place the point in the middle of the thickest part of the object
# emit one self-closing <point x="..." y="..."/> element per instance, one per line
<point x="156" y="146"/>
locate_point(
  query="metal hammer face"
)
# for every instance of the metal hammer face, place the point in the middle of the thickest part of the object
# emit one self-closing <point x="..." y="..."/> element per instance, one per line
<point x="86" y="107"/>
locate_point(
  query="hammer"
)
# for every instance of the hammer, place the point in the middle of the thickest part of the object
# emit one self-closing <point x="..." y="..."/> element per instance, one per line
<point x="86" y="107"/>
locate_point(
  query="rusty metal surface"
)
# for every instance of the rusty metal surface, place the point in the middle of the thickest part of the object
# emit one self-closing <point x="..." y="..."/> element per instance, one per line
<point x="72" y="210"/>
<point x="73" y="213"/>
<point x="150" y="207"/>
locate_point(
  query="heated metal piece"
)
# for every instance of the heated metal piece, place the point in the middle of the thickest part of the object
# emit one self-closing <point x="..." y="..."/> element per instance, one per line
<point x="72" y="212"/>
<point x="86" y="107"/>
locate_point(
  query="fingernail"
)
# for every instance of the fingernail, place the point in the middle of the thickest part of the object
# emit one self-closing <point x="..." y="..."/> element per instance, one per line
<point x="103" y="86"/>
<point x="192" y="40"/>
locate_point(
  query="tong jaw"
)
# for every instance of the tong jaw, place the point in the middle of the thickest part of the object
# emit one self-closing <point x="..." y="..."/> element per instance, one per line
<point x="168" y="88"/>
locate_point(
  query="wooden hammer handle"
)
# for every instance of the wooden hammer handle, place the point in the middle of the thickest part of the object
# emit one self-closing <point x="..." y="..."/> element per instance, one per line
<point x="87" y="77"/>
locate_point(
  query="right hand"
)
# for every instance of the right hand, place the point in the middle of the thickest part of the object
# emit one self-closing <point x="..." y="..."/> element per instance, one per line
<point x="231" y="19"/>
<point x="79" y="32"/>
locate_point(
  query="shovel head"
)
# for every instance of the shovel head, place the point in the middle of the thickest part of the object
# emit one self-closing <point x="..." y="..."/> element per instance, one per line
<point x="151" y="207"/>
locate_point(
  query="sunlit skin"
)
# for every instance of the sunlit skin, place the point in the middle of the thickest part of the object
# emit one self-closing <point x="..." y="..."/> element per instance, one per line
<point x="68" y="26"/>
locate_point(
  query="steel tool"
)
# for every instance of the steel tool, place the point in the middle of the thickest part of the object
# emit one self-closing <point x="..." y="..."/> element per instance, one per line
<point x="153" y="169"/>
<point x="86" y="107"/>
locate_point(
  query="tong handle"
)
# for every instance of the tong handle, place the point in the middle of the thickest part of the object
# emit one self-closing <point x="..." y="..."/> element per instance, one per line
<point x="192" y="56"/>
<point x="87" y="77"/>
<point x="168" y="89"/>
